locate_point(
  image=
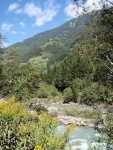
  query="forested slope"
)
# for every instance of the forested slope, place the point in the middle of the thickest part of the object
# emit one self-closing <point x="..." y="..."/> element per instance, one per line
<point x="65" y="34"/>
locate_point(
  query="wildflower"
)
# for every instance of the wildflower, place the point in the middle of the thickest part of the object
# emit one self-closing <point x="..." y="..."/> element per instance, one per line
<point x="35" y="113"/>
<point x="111" y="141"/>
<point x="71" y="127"/>
<point x="38" y="147"/>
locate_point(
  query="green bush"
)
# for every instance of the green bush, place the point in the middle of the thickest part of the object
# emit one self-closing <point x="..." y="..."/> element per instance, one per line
<point x="21" y="82"/>
<point x="42" y="94"/>
<point x="19" y="129"/>
<point x="93" y="94"/>
<point x="54" y="92"/>
<point x="68" y="95"/>
<point x="76" y="86"/>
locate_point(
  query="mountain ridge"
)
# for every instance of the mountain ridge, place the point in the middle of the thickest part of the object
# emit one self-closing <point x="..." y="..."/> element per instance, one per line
<point x="65" y="34"/>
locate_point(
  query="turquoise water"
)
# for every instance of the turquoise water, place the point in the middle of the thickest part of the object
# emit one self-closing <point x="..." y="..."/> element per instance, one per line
<point x="78" y="132"/>
<point x="82" y="138"/>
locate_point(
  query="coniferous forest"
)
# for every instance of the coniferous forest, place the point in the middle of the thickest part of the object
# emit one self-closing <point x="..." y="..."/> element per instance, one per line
<point x="69" y="64"/>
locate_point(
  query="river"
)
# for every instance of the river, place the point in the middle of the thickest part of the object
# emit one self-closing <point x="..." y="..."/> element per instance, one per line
<point x="83" y="138"/>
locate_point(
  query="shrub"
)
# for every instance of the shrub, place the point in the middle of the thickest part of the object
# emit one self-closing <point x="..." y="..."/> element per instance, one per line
<point x="54" y="92"/>
<point x="94" y="94"/>
<point x="19" y="130"/>
<point x="77" y="85"/>
<point x="16" y="126"/>
<point x="68" y="95"/>
<point x="43" y="91"/>
<point x="21" y="82"/>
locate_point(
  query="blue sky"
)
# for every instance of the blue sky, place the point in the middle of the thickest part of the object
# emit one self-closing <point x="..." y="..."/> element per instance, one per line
<point x="21" y="19"/>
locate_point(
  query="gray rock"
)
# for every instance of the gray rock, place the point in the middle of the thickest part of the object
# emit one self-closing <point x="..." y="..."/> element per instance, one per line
<point x="74" y="120"/>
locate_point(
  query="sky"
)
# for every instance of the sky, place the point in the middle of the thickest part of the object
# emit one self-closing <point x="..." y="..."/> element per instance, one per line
<point x="21" y="19"/>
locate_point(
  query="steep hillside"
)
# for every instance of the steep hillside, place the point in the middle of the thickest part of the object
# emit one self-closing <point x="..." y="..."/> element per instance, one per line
<point x="64" y="35"/>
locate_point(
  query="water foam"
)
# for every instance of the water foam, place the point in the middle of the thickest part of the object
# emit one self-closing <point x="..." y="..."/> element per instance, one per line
<point x="75" y="144"/>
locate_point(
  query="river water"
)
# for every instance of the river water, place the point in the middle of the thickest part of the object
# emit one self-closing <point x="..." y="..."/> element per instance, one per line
<point x="83" y="138"/>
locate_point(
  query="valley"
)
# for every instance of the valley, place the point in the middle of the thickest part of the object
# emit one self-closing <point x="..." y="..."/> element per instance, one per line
<point x="61" y="78"/>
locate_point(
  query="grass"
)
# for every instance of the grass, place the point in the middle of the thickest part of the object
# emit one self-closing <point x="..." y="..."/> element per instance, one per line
<point x="37" y="60"/>
<point x="88" y="114"/>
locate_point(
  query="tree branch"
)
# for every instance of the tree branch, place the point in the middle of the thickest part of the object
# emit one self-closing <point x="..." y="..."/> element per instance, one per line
<point x="105" y="64"/>
<point x="110" y="2"/>
<point x="109" y="60"/>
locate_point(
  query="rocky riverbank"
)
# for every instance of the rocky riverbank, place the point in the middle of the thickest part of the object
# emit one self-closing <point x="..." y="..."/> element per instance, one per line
<point x="66" y="120"/>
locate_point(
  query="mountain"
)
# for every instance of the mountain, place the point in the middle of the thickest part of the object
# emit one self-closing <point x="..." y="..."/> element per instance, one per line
<point x="54" y="41"/>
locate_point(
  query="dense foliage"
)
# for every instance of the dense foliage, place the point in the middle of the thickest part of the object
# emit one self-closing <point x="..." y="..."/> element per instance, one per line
<point x="88" y="71"/>
<point x="21" y="129"/>
<point x="18" y="81"/>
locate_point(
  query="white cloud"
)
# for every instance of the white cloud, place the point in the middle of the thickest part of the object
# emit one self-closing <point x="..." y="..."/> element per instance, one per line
<point x="22" y="24"/>
<point x="6" y="27"/>
<point x="12" y="7"/>
<point x="93" y="4"/>
<point x="19" y="11"/>
<point x="5" y="44"/>
<point x="14" y="32"/>
<point x="48" y="13"/>
<point x="72" y="11"/>
<point x="32" y="10"/>
<point x="41" y="15"/>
